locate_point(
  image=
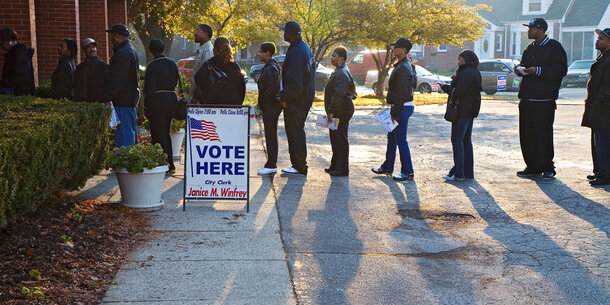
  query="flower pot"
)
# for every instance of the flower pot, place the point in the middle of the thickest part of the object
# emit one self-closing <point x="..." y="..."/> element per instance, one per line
<point x="143" y="190"/>
<point x="177" y="138"/>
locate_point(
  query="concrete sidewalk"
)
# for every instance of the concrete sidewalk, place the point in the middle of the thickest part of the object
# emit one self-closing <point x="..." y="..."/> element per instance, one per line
<point x="214" y="253"/>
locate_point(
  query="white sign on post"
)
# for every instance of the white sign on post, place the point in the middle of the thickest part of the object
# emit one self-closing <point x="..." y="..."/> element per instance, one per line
<point x="217" y="152"/>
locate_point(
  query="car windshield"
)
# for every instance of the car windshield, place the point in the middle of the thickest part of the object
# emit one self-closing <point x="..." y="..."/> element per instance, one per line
<point x="581" y="64"/>
<point x="421" y="71"/>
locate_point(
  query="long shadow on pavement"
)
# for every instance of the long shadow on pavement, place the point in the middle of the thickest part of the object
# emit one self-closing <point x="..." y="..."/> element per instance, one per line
<point x="451" y="279"/>
<point x="530" y="247"/>
<point x="584" y="208"/>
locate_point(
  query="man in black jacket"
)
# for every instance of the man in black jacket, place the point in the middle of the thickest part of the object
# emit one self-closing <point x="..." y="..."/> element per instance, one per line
<point x="269" y="104"/>
<point x="297" y="94"/>
<point x="17" y="72"/>
<point x="91" y="77"/>
<point x="123" y="85"/>
<point x="597" y="110"/>
<point x="543" y="65"/>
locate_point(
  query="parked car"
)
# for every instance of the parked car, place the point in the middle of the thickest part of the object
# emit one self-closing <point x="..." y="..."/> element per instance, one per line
<point x="185" y="66"/>
<point x="491" y="68"/>
<point x="322" y="73"/>
<point x="425" y="80"/>
<point x="362" y="63"/>
<point x="578" y="73"/>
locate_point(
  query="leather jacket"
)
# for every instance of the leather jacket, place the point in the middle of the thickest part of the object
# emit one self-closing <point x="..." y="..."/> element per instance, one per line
<point x="269" y="86"/>
<point x="400" y="86"/>
<point x="339" y="90"/>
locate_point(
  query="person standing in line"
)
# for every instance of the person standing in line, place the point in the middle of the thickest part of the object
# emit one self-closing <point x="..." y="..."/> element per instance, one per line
<point x="466" y="89"/>
<point x="597" y="110"/>
<point x="230" y="90"/>
<point x="296" y="96"/>
<point x="123" y="85"/>
<point x="160" y="98"/>
<point x="62" y="79"/>
<point x="543" y="65"/>
<point x="269" y="104"/>
<point x="203" y="36"/>
<point x="91" y="76"/>
<point x="400" y="95"/>
<point x="17" y="72"/>
<point x="338" y="95"/>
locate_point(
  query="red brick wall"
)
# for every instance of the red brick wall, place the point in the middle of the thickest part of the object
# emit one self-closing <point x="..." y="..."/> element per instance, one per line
<point x="55" y="20"/>
<point x="443" y="61"/>
<point x="117" y="14"/>
<point x="93" y="24"/>
<point x="19" y="15"/>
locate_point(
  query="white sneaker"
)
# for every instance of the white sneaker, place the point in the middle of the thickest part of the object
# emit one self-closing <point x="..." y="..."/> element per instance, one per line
<point x="452" y="178"/>
<point x="267" y="171"/>
<point x="290" y="171"/>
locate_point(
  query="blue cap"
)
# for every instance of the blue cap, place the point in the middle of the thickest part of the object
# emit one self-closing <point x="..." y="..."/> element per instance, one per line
<point x="606" y="32"/>
<point x="538" y="23"/>
<point x="120" y="29"/>
<point x="291" y="27"/>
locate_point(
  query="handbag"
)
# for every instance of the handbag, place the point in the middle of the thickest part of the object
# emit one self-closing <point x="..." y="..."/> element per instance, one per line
<point x="451" y="114"/>
<point x="180" y="113"/>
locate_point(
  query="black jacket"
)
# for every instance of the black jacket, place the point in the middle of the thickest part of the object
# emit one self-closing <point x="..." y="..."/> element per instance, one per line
<point x="269" y="86"/>
<point x="91" y="81"/>
<point x="550" y="59"/>
<point x="597" y="104"/>
<point x="161" y="75"/>
<point x="339" y="91"/>
<point x="231" y="93"/>
<point x="298" y="77"/>
<point x="400" y="86"/>
<point x="18" y="72"/>
<point x="123" y="76"/>
<point x="466" y="87"/>
<point x="62" y="79"/>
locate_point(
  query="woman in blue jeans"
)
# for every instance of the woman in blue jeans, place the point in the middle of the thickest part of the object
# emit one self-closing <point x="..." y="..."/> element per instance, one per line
<point x="466" y="89"/>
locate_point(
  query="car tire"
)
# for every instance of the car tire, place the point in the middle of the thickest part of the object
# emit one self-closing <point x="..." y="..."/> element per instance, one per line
<point x="374" y="87"/>
<point x="490" y="92"/>
<point x="424" y="88"/>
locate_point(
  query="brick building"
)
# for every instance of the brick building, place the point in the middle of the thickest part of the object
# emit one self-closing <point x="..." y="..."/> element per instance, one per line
<point x="42" y="24"/>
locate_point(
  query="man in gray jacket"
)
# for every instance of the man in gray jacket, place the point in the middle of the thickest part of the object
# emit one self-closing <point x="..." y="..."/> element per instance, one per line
<point x="123" y="85"/>
<point x="203" y="36"/>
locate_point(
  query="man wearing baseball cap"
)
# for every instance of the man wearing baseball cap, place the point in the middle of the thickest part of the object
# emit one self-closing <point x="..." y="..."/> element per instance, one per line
<point x="543" y="65"/>
<point x="123" y="85"/>
<point x="597" y="110"/>
<point x="91" y="77"/>
<point x="296" y="96"/>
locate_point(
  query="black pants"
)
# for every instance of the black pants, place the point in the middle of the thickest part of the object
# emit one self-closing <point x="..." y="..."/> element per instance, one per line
<point x="294" y="124"/>
<point x="339" y="141"/>
<point x="270" y="119"/>
<point x="160" y="109"/>
<point x="536" y="134"/>
<point x="593" y="154"/>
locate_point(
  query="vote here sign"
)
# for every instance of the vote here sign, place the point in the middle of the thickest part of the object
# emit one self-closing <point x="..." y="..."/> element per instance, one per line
<point x="217" y="152"/>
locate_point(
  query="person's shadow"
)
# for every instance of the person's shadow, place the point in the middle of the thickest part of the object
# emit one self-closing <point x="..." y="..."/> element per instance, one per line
<point x="528" y="246"/>
<point x="584" y="208"/>
<point x="451" y="275"/>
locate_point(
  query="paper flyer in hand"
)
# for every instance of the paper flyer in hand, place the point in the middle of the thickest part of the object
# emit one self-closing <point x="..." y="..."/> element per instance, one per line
<point x="114" y="118"/>
<point x="384" y="117"/>
<point x="322" y="121"/>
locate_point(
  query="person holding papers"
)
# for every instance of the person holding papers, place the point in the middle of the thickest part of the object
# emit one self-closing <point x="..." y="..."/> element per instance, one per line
<point x="338" y="95"/>
<point x="400" y="96"/>
<point x="465" y="89"/>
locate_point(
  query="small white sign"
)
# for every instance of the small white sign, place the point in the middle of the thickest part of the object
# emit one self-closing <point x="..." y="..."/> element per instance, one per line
<point x="385" y="118"/>
<point x="322" y="121"/>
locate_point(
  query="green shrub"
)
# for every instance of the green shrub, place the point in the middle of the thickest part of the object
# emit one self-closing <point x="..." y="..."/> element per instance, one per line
<point x="137" y="157"/>
<point x="47" y="146"/>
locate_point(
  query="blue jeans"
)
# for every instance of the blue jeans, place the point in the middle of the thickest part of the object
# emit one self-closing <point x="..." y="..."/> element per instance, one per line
<point x="602" y="152"/>
<point x="125" y="132"/>
<point x="398" y="137"/>
<point x="463" y="156"/>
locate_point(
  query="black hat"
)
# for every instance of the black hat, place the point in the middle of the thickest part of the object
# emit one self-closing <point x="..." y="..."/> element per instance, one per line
<point x="120" y="29"/>
<point x="538" y="23"/>
<point x="606" y="32"/>
<point x="291" y="27"/>
<point x="402" y="43"/>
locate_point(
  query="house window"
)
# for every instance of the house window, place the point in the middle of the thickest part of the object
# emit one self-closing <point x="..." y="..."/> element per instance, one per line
<point x="578" y="45"/>
<point x="535" y="5"/>
<point x="499" y="42"/>
<point x="184" y="43"/>
<point x="442" y="48"/>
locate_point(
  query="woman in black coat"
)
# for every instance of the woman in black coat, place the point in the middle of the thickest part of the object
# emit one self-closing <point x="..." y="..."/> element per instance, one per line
<point x="62" y="79"/>
<point x="466" y="89"/>
<point x="230" y="89"/>
<point x="338" y="95"/>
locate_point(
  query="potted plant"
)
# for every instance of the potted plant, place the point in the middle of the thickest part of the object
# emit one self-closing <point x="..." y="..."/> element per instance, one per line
<point x="140" y="170"/>
<point x="176" y="134"/>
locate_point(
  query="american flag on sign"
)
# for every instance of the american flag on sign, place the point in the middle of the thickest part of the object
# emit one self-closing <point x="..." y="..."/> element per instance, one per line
<point x="203" y="130"/>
